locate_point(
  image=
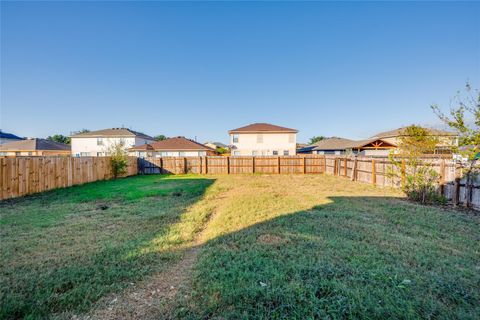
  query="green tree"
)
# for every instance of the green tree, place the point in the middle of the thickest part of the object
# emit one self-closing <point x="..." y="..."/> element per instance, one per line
<point x="118" y="158"/>
<point x="464" y="119"/>
<point x="59" y="138"/>
<point x="160" y="137"/>
<point x="220" y="150"/>
<point x="316" y="139"/>
<point x="418" y="178"/>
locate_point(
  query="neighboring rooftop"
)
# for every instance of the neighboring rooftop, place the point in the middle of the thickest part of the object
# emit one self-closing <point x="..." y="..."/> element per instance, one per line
<point x="112" y="132"/>
<point x="176" y="143"/>
<point x="333" y="144"/>
<point x="401" y="132"/>
<point x="9" y="136"/>
<point x="263" y="127"/>
<point x="33" y="145"/>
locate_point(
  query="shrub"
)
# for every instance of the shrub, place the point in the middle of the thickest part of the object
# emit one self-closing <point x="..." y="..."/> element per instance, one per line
<point x="118" y="159"/>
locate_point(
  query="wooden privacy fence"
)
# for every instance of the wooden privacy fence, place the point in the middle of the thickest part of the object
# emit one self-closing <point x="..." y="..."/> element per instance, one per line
<point x="232" y="165"/>
<point x="452" y="181"/>
<point x="20" y="176"/>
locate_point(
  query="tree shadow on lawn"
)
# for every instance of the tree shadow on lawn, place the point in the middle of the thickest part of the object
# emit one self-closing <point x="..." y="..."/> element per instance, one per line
<point x="148" y="216"/>
<point x="356" y="257"/>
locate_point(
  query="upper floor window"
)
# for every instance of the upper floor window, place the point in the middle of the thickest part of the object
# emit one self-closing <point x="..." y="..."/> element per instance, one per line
<point x="99" y="141"/>
<point x="291" y="138"/>
<point x="259" y="138"/>
<point x="235" y="138"/>
<point x="286" y="153"/>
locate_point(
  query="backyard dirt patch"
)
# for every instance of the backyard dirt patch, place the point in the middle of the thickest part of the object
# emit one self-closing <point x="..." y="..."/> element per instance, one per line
<point x="152" y="298"/>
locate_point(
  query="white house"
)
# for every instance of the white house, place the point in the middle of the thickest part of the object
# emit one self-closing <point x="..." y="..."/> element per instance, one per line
<point x="97" y="143"/>
<point x="263" y="139"/>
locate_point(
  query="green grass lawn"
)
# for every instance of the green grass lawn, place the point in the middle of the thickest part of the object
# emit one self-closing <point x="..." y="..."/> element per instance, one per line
<point x="272" y="247"/>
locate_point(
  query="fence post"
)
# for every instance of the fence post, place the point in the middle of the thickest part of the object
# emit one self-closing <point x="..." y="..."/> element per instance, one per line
<point x="354" y="169"/>
<point x="199" y="165"/>
<point x="324" y="165"/>
<point x="304" y="167"/>
<point x="253" y="164"/>
<point x="345" y="161"/>
<point x="278" y="165"/>
<point x="374" y="174"/>
<point x="456" y="193"/>
<point x="206" y="164"/>
<point x="185" y="169"/>
<point x="442" y="177"/>
<point x="403" y="172"/>
<point x="228" y="165"/>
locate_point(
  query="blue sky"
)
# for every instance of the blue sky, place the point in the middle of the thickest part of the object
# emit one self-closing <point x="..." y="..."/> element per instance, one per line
<point x="199" y="69"/>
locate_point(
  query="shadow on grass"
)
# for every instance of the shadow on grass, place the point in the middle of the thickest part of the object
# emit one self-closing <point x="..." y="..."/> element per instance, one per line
<point x="88" y="251"/>
<point x="356" y="257"/>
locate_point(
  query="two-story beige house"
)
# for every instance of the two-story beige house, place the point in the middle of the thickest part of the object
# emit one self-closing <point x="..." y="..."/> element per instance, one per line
<point x="263" y="139"/>
<point x="97" y="143"/>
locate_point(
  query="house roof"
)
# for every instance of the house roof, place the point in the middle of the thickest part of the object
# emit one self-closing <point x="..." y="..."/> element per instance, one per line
<point x="262" y="127"/>
<point x="34" y="145"/>
<point x="112" y="132"/>
<point x="332" y="144"/>
<point x="401" y="132"/>
<point x="6" y="135"/>
<point x="176" y="143"/>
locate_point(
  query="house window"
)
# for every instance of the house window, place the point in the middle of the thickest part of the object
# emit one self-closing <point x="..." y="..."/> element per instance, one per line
<point x="100" y="154"/>
<point x="291" y="138"/>
<point x="235" y="138"/>
<point x="275" y="152"/>
<point x="17" y="153"/>
<point x="30" y="153"/>
<point x="84" y="154"/>
<point x="3" y="153"/>
<point x="236" y="153"/>
<point x="142" y="154"/>
<point x="99" y="141"/>
<point x="259" y="138"/>
<point x="181" y="154"/>
<point x="254" y="152"/>
<point x="202" y="153"/>
<point x="285" y="152"/>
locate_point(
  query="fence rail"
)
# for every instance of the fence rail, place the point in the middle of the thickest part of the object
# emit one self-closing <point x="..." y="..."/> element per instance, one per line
<point x="21" y="176"/>
<point x="232" y="165"/>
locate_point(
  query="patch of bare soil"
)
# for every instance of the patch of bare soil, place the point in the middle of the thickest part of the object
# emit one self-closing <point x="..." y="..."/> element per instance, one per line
<point x="152" y="298"/>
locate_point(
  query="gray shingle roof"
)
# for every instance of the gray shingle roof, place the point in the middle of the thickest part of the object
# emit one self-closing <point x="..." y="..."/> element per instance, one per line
<point x="34" y="144"/>
<point x="263" y="127"/>
<point x="401" y="132"/>
<point x="112" y="132"/>
<point x="333" y="144"/>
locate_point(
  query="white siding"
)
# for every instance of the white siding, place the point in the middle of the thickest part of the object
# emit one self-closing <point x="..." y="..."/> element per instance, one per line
<point x="89" y="146"/>
<point x="264" y="144"/>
